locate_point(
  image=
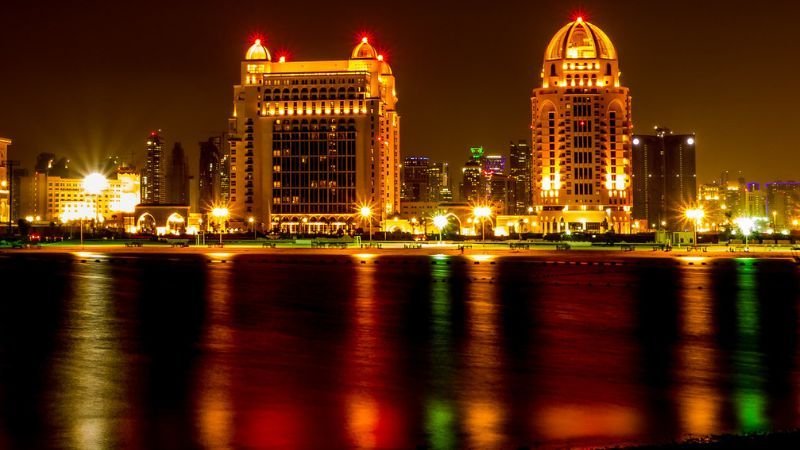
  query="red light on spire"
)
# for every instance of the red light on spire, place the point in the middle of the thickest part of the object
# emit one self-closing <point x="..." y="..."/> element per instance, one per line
<point x="258" y="41"/>
<point x="364" y="39"/>
<point x="579" y="16"/>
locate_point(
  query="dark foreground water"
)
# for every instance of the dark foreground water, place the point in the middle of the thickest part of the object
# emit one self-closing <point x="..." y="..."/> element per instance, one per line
<point x="391" y="352"/>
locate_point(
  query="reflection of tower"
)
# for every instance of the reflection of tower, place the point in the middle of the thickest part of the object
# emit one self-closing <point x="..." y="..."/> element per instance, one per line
<point x="581" y="134"/>
<point x="154" y="180"/>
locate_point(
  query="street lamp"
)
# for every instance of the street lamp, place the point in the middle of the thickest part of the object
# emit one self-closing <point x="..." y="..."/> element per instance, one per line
<point x="220" y="214"/>
<point x="440" y="221"/>
<point x="93" y="184"/>
<point x="252" y="222"/>
<point x="695" y="215"/>
<point x="482" y="212"/>
<point x="746" y="225"/>
<point x="366" y="214"/>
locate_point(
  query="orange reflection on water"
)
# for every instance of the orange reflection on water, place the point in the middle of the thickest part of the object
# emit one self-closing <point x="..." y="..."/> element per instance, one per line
<point x="484" y="413"/>
<point x="216" y="412"/>
<point x="579" y="421"/>
<point x="698" y="398"/>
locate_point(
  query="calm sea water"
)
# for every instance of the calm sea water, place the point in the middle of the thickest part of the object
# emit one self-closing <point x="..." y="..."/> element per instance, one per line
<point x="391" y="352"/>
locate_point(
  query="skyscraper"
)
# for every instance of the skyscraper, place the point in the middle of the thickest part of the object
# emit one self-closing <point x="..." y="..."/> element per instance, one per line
<point x="153" y="178"/>
<point x="5" y="182"/>
<point x="416" y="179"/>
<point x="439" y="182"/>
<point x="664" y="177"/>
<point x="312" y="140"/>
<point x="209" y="175"/>
<point x="178" y="181"/>
<point x="520" y="182"/>
<point x="783" y="204"/>
<point x="472" y="185"/>
<point x="494" y="164"/>
<point x="581" y="134"/>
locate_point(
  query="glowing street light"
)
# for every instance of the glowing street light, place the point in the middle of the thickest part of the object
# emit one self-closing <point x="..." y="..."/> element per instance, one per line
<point x="93" y="184"/>
<point x="366" y="214"/>
<point x="482" y="212"/>
<point x="220" y="214"/>
<point x="695" y="215"/>
<point x="746" y="224"/>
<point x="252" y="223"/>
<point x="440" y="221"/>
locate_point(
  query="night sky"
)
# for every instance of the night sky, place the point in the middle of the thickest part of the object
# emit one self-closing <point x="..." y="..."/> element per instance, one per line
<point x="88" y="79"/>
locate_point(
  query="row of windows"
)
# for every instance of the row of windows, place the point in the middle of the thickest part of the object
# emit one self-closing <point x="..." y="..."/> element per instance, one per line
<point x="315" y="94"/>
<point x="582" y="141"/>
<point x="583" y="173"/>
<point x="312" y="81"/>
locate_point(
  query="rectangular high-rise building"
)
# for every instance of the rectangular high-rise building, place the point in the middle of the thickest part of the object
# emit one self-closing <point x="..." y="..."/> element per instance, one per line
<point x="154" y="176"/>
<point x="783" y="204"/>
<point x="416" y="179"/>
<point x="312" y="141"/>
<point x="664" y="178"/>
<point x="5" y="182"/>
<point x="439" y="182"/>
<point x="520" y="159"/>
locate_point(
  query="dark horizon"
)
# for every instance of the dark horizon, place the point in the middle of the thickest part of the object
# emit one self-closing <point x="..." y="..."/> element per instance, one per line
<point x="86" y="82"/>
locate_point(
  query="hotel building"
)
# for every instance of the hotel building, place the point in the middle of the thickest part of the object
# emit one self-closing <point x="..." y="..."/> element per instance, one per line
<point x="5" y="182"/>
<point x="313" y="141"/>
<point x="581" y="135"/>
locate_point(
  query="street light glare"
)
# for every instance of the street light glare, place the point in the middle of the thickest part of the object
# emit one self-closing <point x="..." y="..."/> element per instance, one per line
<point x="482" y="211"/>
<point x="95" y="183"/>
<point x="220" y="212"/>
<point x="440" y="221"/>
<point x="366" y="211"/>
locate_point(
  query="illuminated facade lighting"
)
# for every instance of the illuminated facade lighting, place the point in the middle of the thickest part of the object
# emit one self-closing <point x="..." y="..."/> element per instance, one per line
<point x="311" y="138"/>
<point x="5" y="191"/>
<point x="582" y="135"/>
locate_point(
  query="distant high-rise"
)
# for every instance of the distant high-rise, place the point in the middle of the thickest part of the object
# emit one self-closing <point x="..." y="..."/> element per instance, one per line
<point x="581" y="135"/>
<point x="178" y="181"/>
<point x="520" y="181"/>
<point x="783" y="204"/>
<point x="472" y="186"/>
<point x="494" y="164"/>
<point x="209" y="177"/>
<point x="153" y="178"/>
<point x="664" y="177"/>
<point x="416" y="179"/>
<point x="439" y="182"/>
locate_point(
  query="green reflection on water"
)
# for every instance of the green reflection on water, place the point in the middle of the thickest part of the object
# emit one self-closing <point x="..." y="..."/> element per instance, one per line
<point x="440" y="413"/>
<point x="749" y="397"/>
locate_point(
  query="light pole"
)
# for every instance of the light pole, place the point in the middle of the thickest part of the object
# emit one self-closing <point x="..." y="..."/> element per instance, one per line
<point x="440" y="221"/>
<point x="695" y="214"/>
<point x="746" y="225"/>
<point x="93" y="184"/>
<point x="366" y="214"/>
<point x="482" y="212"/>
<point x="253" y="226"/>
<point x="220" y="214"/>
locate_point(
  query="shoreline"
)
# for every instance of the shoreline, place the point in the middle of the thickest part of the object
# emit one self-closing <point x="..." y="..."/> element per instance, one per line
<point x="574" y="254"/>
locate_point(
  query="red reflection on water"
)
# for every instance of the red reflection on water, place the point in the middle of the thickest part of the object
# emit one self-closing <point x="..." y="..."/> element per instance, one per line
<point x="587" y="358"/>
<point x="372" y="420"/>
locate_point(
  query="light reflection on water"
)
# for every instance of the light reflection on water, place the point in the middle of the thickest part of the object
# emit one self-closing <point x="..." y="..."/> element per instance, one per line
<point x="442" y="352"/>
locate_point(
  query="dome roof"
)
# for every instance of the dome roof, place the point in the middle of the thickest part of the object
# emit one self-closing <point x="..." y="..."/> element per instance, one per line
<point x="258" y="51"/>
<point x="364" y="51"/>
<point x="580" y="40"/>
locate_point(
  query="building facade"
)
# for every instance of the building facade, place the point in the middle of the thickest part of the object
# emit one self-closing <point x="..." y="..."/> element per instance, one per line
<point x="5" y="182"/>
<point x="310" y="141"/>
<point x="154" y="176"/>
<point x="209" y="176"/>
<point x="416" y="179"/>
<point x="520" y="165"/>
<point x="664" y="178"/>
<point x="783" y="204"/>
<point x="178" y="182"/>
<point x="439" y="182"/>
<point x="581" y="124"/>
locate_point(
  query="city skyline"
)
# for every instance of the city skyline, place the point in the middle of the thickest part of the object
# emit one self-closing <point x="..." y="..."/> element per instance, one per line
<point x="110" y="67"/>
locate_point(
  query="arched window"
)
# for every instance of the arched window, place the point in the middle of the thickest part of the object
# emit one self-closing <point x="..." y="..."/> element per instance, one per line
<point x="608" y="69"/>
<point x="552" y="70"/>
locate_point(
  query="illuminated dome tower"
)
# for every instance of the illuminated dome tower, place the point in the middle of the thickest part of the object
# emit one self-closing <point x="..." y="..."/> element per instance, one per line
<point x="581" y="135"/>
